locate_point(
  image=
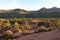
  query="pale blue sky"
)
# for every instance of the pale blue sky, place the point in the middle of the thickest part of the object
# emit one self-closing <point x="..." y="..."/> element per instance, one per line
<point x="28" y="4"/>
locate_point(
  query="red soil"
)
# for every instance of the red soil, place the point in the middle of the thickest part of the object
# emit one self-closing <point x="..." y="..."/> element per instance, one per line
<point x="51" y="35"/>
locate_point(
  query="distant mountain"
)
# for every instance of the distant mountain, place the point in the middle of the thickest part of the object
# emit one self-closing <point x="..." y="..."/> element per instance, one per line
<point x="46" y="10"/>
<point x="47" y="13"/>
<point x="20" y="11"/>
<point x="42" y="13"/>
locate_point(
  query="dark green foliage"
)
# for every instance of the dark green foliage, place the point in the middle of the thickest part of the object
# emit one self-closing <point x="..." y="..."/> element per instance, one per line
<point x="31" y="15"/>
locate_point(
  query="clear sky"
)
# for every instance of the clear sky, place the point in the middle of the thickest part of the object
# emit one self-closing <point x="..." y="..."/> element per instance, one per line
<point x="28" y="4"/>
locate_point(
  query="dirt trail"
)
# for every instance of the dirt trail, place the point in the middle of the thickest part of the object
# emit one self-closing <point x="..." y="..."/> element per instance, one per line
<point x="51" y="35"/>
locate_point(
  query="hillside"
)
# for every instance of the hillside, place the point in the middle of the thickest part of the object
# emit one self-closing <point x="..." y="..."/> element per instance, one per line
<point x="20" y="13"/>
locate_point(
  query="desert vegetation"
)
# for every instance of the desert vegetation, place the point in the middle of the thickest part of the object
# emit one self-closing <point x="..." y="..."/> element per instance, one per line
<point x="21" y="13"/>
<point x="17" y="22"/>
<point x="9" y="27"/>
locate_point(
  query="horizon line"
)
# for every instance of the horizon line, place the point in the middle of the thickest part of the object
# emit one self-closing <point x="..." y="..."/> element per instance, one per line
<point x="26" y="9"/>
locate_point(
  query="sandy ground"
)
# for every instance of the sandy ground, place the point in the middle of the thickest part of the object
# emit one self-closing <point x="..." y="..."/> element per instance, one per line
<point x="51" y="35"/>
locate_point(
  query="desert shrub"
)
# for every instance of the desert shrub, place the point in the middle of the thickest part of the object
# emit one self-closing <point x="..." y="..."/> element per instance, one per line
<point x="27" y="25"/>
<point x="16" y="25"/>
<point x="19" y="30"/>
<point x="0" y="35"/>
<point x="8" y="34"/>
<point x="12" y="22"/>
<point x="8" y="23"/>
<point x="43" y="27"/>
